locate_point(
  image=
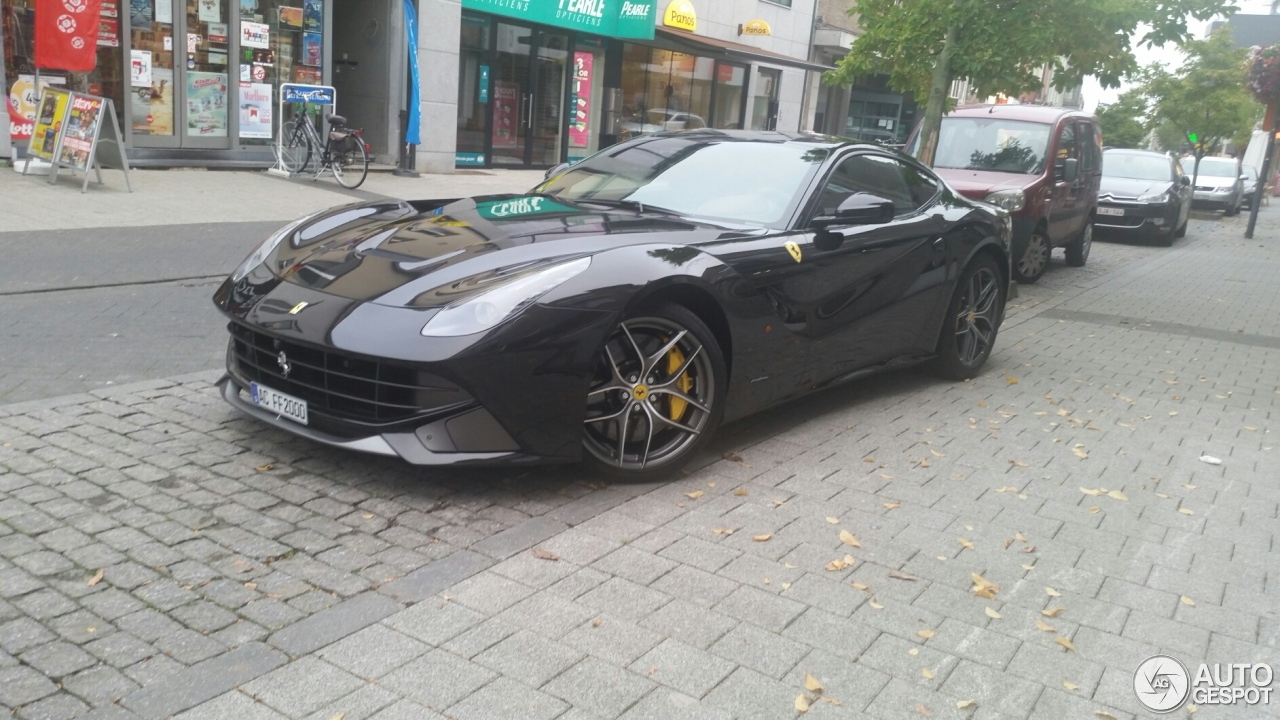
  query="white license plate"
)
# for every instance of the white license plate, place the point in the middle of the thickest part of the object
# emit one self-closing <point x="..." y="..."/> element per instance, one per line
<point x="277" y="402"/>
<point x="1118" y="212"/>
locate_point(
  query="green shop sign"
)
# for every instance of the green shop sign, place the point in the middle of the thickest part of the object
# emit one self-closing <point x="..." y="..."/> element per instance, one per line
<point x="613" y="18"/>
<point x="516" y="207"/>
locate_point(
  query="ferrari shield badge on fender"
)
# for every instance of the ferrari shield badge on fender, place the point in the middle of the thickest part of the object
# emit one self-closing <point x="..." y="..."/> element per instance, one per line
<point x="794" y="249"/>
<point x="298" y="308"/>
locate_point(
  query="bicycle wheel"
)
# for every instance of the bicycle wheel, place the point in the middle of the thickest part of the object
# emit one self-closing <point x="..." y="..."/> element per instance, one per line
<point x="351" y="165"/>
<point x="293" y="153"/>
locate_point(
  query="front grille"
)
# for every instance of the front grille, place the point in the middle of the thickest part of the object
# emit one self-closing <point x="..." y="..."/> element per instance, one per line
<point x="1205" y="188"/>
<point x="341" y="385"/>
<point x="1122" y="221"/>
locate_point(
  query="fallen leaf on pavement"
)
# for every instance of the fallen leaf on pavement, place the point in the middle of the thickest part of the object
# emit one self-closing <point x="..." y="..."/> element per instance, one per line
<point x="1104" y="715"/>
<point x="722" y="531"/>
<point x="264" y="468"/>
<point x="1094" y="492"/>
<point x="1052" y="593"/>
<point x="1029" y="549"/>
<point x="926" y="634"/>
<point x="892" y="505"/>
<point x="97" y="578"/>
<point x="1018" y="463"/>
<point x="993" y="614"/>
<point x="875" y="605"/>
<point x="1065" y="642"/>
<point x="1052" y="612"/>
<point x="1162" y="495"/>
<point x="1210" y="460"/>
<point x="740" y="492"/>
<point x="802" y="703"/>
<point x="339" y="716"/>
<point x="693" y="495"/>
<point x="937" y="454"/>
<point x="963" y="704"/>
<point x="902" y="576"/>
<point x="732" y="457"/>
<point x="811" y="683"/>
<point x="1080" y="453"/>
<point x="1117" y="495"/>
<point x="868" y="459"/>
<point x="1043" y="626"/>
<point x="1185" y="511"/>
<point x="1019" y="537"/>
<point x="927" y="673"/>
<point x="1011" y="380"/>
<point x="847" y="538"/>
<point x="923" y="711"/>
<point x="886" y="476"/>
<point x="1094" y="510"/>
<point x="596" y="622"/>
<point x="762" y="538"/>
<point x="832" y="520"/>
<point x="1028" y="567"/>
<point x="545" y="554"/>
<point x="1189" y="486"/>
<point x="786" y="586"/>
<point x="965" y="542"/>
<point x="984" y="587"/>
<point x="1070" y="685"/>
<point x="836" y="565"/>
<point x="860" y="586"/>
<point x="1187" y="601"/>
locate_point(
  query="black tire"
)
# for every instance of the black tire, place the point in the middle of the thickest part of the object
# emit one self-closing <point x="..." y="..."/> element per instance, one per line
<point x="972" y="322"/>
<point x="1033" y="260"/>
<point x="293" y="153"/>
<point x="1166" y="239"/>
<point x="351" y="166"/>
<point x="656" y="361"/>
<point x="1232" y="209"/>
<point x="1078" y="250"/>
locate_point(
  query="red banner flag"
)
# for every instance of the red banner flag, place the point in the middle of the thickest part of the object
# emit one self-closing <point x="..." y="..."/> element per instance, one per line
<point x="67" y="34"/>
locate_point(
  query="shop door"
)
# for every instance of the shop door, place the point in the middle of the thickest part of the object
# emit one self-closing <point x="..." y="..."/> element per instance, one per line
<point x="362" y="69"/>
<point x="204" y="80"/>
<point x="528" y="104"/>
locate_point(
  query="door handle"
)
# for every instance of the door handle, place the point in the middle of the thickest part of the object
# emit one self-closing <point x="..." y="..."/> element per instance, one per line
<point x="939" y="243"/>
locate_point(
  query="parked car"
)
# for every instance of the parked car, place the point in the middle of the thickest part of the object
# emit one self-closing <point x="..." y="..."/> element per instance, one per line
<point x="618" y="312"/>
<point x="1143" y="194"/>
<point x="661" y="119"/>
<point x="1250" y="181"/>
<point x="1042" y="164"/>
<point x="1219" y="185"/>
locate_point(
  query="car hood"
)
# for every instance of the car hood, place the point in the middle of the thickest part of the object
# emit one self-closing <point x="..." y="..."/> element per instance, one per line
<point x="1131" y="188"/>
<point x="977" y="184"/>
<point x="415" y="254"/>
<point x="1214" y="181"/>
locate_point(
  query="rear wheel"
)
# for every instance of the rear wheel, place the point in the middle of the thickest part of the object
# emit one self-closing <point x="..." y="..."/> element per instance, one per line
<point x="973" y="318"/>
<point x="351" y="166"/>
<point x="1034" y="260"/>
<point x="1078" y="250"/>
<point x="1182" y="231"/>
<point x="657" y="394"/>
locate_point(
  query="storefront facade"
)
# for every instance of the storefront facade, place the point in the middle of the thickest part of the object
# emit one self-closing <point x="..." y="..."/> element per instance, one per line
<point x="539" y="83"/>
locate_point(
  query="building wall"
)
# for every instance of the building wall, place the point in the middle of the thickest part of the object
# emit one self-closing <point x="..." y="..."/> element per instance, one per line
<point x="835" y="14"/>
<point x="440" y="27"/>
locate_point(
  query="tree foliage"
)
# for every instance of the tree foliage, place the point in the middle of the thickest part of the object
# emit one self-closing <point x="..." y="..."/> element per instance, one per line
<point x="1124" y="122"/>
<point x="1000" y="45"/>
<point x="1206" y="99"/>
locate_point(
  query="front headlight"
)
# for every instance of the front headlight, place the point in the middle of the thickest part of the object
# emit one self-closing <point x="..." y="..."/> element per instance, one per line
<point x="1157" y="197"/>
<point x="264" y="248"/>
<point x="1223" y="190"/>
<point x="1011" y="200"/>
<point x="481" y="312"/>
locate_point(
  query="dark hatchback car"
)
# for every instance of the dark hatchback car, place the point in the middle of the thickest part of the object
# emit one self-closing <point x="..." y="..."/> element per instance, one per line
<point x="619" y="311"/>
<point x="1144" y="194"/>
<point x="1042" y="164"/>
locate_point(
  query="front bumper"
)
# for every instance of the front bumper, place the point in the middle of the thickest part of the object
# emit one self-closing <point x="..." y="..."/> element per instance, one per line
<point x="1145" y="219"/>
<point x="1216" y="201"/>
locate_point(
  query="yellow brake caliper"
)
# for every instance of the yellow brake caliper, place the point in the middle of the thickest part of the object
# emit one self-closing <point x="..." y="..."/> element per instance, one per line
<point x="676" y="408"/>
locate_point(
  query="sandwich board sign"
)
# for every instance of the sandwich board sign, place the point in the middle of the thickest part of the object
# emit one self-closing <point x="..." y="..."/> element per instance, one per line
<point x="73" y="135"/>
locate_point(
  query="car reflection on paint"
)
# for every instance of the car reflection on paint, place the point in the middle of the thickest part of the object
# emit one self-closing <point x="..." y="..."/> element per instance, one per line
<point x="619" y="312"/>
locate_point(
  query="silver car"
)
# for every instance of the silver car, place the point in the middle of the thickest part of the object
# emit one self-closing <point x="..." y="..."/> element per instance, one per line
<point x="1219" y="185"/>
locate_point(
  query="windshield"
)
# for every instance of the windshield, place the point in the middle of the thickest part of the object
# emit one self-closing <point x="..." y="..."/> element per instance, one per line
<point x="1210" y="167"/>
<point x="1136" y="167"/>
<point x="698" y="175"/>
<point x="990" y="144"/>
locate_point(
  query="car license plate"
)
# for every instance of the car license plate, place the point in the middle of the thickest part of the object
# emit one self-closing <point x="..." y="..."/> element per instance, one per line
<point x="279" y="403"/>
<point x="1111" y="211"/>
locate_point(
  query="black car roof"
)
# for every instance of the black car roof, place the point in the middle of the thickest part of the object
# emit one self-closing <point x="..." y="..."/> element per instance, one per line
<point x="770" y="136"/>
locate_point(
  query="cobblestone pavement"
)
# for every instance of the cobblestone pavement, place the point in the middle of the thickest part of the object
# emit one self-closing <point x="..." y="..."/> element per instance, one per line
<point x="161" y="555"/>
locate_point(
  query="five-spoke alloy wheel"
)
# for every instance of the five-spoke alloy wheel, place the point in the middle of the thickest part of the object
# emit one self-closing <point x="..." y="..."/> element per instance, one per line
<point x="972" y="321"/>
<point x="656" y="393"/>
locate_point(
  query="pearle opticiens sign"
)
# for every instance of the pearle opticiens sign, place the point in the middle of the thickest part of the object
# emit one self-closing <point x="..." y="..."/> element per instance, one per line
<point x="612" y="18"/>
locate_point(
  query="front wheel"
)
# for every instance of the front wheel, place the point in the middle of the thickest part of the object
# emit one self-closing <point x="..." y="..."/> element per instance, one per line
<point x="293" y="152"/>
<point x="656" y="396"/>
<point x="351" y="166"/>
<point x="1034" y="260"/>
<point x="973" y="318"/>
<point x="1078" y="250"/>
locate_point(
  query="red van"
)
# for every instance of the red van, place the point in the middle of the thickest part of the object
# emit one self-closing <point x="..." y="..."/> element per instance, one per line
<point x="1042" y="164"/>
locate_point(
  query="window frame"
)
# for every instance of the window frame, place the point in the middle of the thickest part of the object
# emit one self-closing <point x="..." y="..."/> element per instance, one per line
<point x="810" y="205"/>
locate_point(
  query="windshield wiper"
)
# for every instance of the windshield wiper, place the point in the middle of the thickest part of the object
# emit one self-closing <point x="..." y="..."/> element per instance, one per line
<point x="628" y="204"/>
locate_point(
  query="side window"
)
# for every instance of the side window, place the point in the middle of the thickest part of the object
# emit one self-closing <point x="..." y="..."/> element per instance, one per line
<point x="1092" y="153"/>
<point x="1067" y="143"/>
<point x="888" y="178"/>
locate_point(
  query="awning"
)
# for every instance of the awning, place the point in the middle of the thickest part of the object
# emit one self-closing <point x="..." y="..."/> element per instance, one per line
<point x="702" y="45"/>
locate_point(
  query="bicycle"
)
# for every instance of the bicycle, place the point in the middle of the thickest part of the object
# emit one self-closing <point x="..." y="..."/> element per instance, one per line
<point x="344" y="154"/>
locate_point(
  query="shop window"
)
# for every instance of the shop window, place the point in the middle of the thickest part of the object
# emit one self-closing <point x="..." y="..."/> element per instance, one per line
<point x="586" y="93"/>
<point x="874" y="118"/>
<point x="729" y="92"/>
<point x="668" y="90"/>
<point x="474" y="87"/>
<point x="293" y="53"/>
<point x="764" y="104"/>
<point x="106" y="80"/>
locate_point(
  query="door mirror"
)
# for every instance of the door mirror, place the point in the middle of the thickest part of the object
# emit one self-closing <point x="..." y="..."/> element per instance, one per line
<point x="859" y="208"/>
<point x="1070" y="169"/>
<point x="1186" y="181"/>
<point x="1244" y="178"/>
<point x="557" y="170"/>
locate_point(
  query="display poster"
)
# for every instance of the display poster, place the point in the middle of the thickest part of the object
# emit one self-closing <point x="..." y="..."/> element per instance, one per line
<point x="23" y="101"/>
<point x="246" y="73"/>
<point x="255" y="110"/>
<point x="206" y="104"/>
<point x="505" y="101"/>
<point x="140" y="13"/>
<point x="290" y="18"/>
<point x="579" y="133"/>
<point x="311" y="49"/>
<point x="193" y="43"/>
<point x="164" y="12"/>
<point x="254" y="35"/>
<point x="82" y="127"/>
<point x="308" y="76"/>
<point x="109" y="8"/>
<point x="168" y="43"/>
<point x="208" y="10"/>
<point x="19" y="125"/>
<point x="50" y="114"/>
<point x="152" y="105"/>
<point x="248" y="7"/>
<point x="108" y="31"/>
<point x="313" y="15"/>
<point x="217" y="32"/>
<point x="140" y="68"/>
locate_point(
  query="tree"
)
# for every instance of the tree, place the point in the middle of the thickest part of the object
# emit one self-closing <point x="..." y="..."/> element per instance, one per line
<point x="1124" y="122"/>
<point x="1000" y="45"/>
<point x="1206" y="99"/>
